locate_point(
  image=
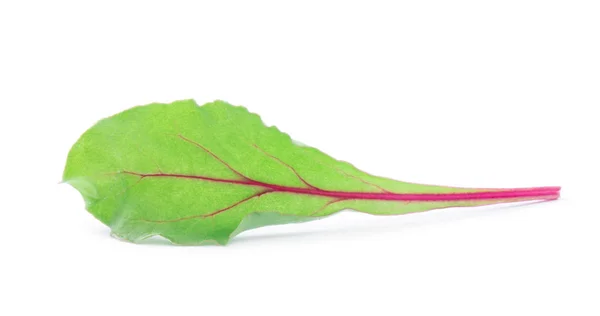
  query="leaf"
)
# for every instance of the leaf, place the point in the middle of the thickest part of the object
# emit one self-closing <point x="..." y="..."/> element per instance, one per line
<point x="196" y="174"/>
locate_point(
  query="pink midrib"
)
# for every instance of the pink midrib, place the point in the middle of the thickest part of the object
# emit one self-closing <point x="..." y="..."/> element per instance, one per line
<point x="542" y="193"/>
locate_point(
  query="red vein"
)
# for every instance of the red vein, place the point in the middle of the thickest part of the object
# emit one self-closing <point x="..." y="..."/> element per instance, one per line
<point x="212" y="213"/>
<point x="360" y="179"/>
<point x="492" y="194"/>
<point x="352" y="176"/>
<point x="236" y="204"/>
<point x="502" y="195"/>
<point x="328" y="204"/>
<point x="212" y="154"/>
<point x="288" y="166"/>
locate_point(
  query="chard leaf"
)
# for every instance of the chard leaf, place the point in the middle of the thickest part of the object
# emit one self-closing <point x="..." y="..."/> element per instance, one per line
<point x="196" y="174"/>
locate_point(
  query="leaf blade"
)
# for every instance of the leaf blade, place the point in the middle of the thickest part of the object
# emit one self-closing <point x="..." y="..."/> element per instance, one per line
<point x="195" y="173"/>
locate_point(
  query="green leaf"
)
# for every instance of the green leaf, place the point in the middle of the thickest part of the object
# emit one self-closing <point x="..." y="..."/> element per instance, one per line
<point x="196" y="174"/>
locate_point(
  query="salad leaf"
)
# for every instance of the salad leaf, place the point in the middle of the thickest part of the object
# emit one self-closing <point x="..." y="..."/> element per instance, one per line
<point x="196" y="174"/>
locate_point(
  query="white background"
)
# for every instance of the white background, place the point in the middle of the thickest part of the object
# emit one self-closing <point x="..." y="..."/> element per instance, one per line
<point x="466" y="93"/>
